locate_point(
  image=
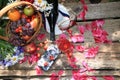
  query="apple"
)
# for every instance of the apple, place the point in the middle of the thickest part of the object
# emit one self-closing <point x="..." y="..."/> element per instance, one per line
<point x="30" y="48"/>
<point x="28" y="10"/>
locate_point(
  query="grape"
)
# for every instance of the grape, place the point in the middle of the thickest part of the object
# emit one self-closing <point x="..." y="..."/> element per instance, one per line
<point x="18" y="22"/>
<point x="28" y="25"/>
<point x="23" y="21"/>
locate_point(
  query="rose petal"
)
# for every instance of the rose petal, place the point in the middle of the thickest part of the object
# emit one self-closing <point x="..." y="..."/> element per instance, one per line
<point x="82" y="15"/>
<point x="77" y="38"/>
<point x="80" y="48"/>
<point x="82" y="1"/>
<point x="60" y="72"/>
<point x="92" y="52"/>
<point x="85" y="7"/>
<point x="100" y="22"/>
<point x="62" y="36"/>
<point x="38" y="70"/>
<point x="81" y="29"/>
<point x="108" y="77"/>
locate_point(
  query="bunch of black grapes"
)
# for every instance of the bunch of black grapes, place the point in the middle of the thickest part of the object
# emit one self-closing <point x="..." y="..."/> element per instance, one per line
<point x="16" y="38"/>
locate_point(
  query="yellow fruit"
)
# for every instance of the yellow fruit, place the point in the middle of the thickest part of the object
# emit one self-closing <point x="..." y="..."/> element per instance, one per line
<point x="34" y="23"/>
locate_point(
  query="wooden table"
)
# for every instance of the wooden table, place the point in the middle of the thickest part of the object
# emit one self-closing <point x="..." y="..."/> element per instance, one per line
<point x="107" y="62"/>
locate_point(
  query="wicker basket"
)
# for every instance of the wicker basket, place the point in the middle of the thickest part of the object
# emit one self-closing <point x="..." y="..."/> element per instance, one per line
<point x="16" y="4"/>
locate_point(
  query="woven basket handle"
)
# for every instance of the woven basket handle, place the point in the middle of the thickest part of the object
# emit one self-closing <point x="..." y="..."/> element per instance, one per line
<point x="10" y="6"/>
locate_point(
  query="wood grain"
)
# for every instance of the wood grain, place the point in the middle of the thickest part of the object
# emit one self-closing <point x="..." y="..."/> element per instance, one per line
<point x="96" y="11"/>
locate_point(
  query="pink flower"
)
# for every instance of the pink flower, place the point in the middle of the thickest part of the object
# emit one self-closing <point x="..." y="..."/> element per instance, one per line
<point x="38" y="70"/>
<point x="92" y="52"/>
<point x="80" y="48"/>
<point x="77" y="38"/>
<point x="108" y="77"/>
<point x="41" y="36"/>
<point x="81" y="29"/>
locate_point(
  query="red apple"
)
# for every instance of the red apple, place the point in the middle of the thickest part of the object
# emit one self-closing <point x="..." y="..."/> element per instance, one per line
<point x="30" y="48"/>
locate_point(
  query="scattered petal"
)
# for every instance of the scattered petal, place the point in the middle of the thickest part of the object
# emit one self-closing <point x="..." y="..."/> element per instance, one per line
<point x="77" y="38"/>
<point x="80" y="48"/>
<point x="38" y="70"/>
<point x="92" y="52"/>
<point x="108" y="77"/>
<point x="81" y="29"/>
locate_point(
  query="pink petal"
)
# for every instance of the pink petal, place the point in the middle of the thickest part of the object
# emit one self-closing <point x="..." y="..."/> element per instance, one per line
<point x="92" y="78"/>
<point x="72" y="23"/>
<point x="77" y="38"/>
<point x="108" y="77"/>
<point x="60" y="72"/>
<point x="38" y="70"/>
<point x="54" y="76"/>
<point x="85" y="7"/>
<point x="23" y="60"/>
<point x="62" y="36"/>
<point x="100" y="22"/>
<point x="80" y="48"/>
<point x="81" y="29"/>
<point x="41" y="36"/>
<point x="86" y="66"/>
<point x="82" y="15"/>
<point x="88" y="27"/>
<point x="92" y="52"/>
<point x="97" y="32"/>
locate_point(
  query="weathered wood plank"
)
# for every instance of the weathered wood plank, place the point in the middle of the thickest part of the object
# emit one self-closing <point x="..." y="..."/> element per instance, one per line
<point x="97" y="11"/>
<point x="108" y="57"/>
<point x="29" y="73"/>
<point x="48" y="78"/>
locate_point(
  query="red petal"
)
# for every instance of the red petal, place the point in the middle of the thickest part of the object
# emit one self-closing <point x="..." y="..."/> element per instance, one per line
<point x="100" y="22"/>
<point x="82" y="1"/>
<point x="38" y="70"/>
<point x="81" y="29"/>
<point x="85" y="7"/>
<point x="54" y="76"/>
<point x="77" y="38"/>
<point x="80" y="48"/>
<point x="60" y="72"/>
<point x="108" y="77"/>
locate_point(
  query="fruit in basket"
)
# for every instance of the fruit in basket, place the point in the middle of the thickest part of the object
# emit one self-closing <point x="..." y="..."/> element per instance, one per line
<point x="28" y="10"/>
<point x="30" y="48"/>
<point x="34" y="23"/>
<point x="14" y="14"/>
